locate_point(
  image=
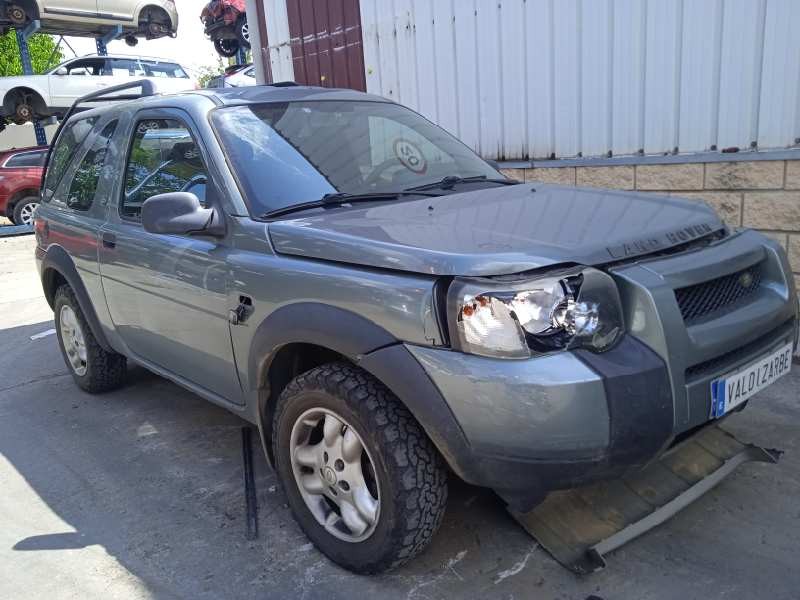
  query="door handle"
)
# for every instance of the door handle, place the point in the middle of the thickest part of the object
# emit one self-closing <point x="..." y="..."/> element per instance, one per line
<point x="109" y="240"/>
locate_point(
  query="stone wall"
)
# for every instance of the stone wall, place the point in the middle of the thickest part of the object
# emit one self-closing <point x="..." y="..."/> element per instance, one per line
<point x="764" y="195"/>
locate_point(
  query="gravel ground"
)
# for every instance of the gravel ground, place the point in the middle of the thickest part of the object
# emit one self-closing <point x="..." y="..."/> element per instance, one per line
<point x="138" y="494"/>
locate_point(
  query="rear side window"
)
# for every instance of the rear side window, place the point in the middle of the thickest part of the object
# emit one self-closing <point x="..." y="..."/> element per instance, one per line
<point x="125" y="67"/>
<point x="163" y="158"/>
<point x="70" y="138"/>
<point x="27" y="159"/>
<point x="84" y="183"/>
<point x="163" y="69"/>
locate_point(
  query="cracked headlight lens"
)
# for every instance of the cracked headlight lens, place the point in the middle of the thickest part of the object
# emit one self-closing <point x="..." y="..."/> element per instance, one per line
<point x="508" y="318"/>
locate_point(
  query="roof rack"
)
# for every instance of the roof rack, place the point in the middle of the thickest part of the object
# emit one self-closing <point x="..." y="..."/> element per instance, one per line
<point x="147" y="90"/>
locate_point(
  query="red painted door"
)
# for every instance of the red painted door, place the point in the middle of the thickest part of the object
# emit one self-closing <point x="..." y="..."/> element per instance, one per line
<point x="327" y="48"/>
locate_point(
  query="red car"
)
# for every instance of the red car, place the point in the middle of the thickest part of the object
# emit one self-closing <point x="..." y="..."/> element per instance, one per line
<point x="225" y="22"/>
<point x="21" y="172"/>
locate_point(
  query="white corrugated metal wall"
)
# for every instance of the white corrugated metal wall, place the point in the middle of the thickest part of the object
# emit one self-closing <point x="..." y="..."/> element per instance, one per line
<point x="519" y="79"/>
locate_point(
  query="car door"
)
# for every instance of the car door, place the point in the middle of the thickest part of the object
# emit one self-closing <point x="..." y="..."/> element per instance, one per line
<point x="70" y="9"/>
<point x="168" y="294"/>
<point x="116" y="9"/>
<point x="84" y="76"/>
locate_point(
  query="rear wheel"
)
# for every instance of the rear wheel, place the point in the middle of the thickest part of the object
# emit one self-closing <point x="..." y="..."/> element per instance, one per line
<point x="363" y="480"/>
<point x="25" y="210"/>
<point x="94" y="369"/>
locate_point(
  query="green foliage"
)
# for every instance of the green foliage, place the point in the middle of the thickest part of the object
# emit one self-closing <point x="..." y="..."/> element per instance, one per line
<point x="207" y="73"/>
<point x="42" y="48"/>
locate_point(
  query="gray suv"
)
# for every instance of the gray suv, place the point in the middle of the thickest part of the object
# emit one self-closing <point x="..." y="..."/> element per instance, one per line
<point x="390" y="310"/>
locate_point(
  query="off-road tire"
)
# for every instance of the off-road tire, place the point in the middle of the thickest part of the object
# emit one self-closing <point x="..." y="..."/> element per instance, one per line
<point x="411" y="474"/>
<point x="105" y="371"/>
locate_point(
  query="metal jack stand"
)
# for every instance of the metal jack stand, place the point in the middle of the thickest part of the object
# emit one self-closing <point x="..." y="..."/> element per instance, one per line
<point x="102" y="42"/>
<point x="27" y="69"/>
<point x="251" y="502"/>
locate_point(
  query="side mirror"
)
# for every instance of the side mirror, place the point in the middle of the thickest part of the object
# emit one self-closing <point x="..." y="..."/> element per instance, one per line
<point x="494" y="164"/>
<point x="180" y="213"/>
<point x="61" y="71"/>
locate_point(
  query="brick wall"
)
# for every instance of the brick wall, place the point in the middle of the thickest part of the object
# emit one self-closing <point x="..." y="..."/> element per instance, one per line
<point x="764" y="195"/>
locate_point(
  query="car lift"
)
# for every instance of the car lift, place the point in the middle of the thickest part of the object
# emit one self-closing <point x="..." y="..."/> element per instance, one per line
<point x="27" y="67"/>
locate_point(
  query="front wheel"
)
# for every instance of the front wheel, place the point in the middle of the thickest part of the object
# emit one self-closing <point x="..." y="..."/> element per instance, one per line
<point x="363" y="480"/>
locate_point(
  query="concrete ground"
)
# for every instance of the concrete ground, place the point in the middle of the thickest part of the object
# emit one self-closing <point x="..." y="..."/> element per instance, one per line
<point x="138" y="494"/>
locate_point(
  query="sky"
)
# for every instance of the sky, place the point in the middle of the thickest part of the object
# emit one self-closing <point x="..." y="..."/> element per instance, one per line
<point x="191" y="48"/>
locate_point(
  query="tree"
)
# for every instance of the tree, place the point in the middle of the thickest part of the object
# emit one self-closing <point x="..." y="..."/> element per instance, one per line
<point x="42" y="48"/>
<point x="207" y="73"/>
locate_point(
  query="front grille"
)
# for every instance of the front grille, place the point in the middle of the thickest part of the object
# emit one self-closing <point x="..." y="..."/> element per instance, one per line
<point x="702" y="299"/>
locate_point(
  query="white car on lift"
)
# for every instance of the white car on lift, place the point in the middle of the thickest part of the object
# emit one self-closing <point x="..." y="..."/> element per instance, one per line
<point x="138" y="18"/>
<point x="34" y="97"/>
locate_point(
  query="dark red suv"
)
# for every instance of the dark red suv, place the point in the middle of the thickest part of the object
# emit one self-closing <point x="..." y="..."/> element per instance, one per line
<point x="20" y="176"/>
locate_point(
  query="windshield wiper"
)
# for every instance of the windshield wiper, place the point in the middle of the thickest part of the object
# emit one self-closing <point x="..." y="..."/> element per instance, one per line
<point x="447" y="183"/>
<point x="339" y="198"/>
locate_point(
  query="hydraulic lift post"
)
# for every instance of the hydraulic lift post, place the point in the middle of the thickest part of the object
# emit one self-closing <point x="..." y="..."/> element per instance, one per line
<point x="27" y="69"/>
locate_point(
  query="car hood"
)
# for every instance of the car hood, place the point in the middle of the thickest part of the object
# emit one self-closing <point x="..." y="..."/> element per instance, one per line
<point x="496" y="231"/>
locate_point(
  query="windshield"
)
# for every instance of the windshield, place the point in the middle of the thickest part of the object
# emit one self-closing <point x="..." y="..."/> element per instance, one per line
<point x="285" y="154"/>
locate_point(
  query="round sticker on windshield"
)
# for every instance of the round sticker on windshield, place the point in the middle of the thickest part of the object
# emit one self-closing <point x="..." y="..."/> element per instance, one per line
<point x="410" y="156"/>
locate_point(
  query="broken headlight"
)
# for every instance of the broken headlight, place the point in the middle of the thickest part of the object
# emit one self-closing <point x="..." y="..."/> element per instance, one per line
<point x="578" y="308"/>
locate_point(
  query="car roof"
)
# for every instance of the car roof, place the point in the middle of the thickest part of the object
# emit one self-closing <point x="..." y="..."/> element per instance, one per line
<point x="233" y="96"/>
<point x="124" y="56"/>
<point x="258" y="94"/>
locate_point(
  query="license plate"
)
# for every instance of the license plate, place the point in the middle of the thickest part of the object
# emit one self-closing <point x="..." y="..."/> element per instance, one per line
<point x="731" y="390"/>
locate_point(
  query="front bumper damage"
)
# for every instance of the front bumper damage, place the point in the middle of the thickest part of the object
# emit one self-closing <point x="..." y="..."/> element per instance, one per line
<point x="579" y="526"/>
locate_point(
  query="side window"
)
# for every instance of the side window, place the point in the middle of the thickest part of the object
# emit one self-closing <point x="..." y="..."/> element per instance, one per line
<point x="70" y="138"/>
<point x="84" y="183"/>
<point x="124" y="67"/>
<point x="27" y="159"/>
<point x="163" y="158"/>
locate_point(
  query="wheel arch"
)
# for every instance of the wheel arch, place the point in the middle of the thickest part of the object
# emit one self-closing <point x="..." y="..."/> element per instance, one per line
<point x="299" y="337"/>
<point x="8" y="108"/>
<point x="17" y="196"/>
<point x="58" y="269"/>
<point x="149" y="7"/>
<point x="32" y="7"/>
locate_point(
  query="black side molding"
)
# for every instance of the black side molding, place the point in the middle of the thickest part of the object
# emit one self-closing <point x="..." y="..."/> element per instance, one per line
<point x="56" y="259"/>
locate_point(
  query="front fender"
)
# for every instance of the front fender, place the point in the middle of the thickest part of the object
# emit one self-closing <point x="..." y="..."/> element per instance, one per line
<point x="336" y="329"/>
<point x="372" y="348"/>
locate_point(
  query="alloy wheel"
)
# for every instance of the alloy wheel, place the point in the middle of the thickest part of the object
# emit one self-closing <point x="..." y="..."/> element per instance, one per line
<point x="27" y="213"/>
<point x="73" y="340"/>
<point x="335" y="474"/>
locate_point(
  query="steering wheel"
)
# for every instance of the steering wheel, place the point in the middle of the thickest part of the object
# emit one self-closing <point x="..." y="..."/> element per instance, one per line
<point x="376" y="173"/>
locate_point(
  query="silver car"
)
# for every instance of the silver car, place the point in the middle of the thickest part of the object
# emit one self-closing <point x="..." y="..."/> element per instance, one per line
<point x="138" y="18"/>
<point x="390" y="311"/>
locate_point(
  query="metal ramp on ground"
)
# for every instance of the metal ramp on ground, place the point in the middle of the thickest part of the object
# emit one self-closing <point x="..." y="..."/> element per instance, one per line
<point x="579" y="527"/>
